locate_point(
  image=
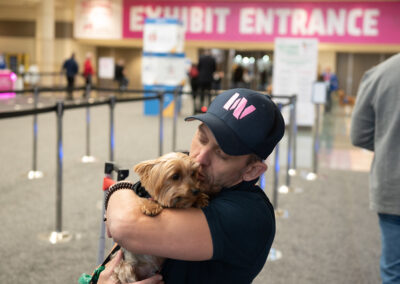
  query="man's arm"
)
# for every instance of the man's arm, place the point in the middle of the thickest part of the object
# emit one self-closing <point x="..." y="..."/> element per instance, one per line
<point x="362" y="132"/>
<point x="174" y="233"/>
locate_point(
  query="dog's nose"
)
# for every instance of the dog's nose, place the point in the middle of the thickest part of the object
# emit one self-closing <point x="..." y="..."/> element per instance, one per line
<point x="195" y="191"/>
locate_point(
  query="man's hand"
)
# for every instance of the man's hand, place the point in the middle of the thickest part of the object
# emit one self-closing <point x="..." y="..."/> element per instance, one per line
<point x="106" y="275"/>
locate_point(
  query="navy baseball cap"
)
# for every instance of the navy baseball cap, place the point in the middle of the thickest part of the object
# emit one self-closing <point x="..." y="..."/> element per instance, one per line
<point x="244" y="122"/>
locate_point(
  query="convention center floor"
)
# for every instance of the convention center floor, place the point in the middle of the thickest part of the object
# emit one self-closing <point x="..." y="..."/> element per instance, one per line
<point x="325" y="230"/>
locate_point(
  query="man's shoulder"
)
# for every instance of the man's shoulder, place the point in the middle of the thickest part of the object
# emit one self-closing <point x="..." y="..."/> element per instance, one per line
<point x="243" y="196"/>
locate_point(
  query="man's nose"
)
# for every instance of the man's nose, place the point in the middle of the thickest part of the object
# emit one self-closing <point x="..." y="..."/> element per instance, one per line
<point x="203" y="158"/>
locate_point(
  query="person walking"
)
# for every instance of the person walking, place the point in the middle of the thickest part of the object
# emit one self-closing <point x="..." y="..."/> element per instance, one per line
<point x="88" y="70"/>
<point x="206" y="67"/>
<point x="120" y="75"/>
<point x="375" y="126"/>
<point x="70" y="67"/>
<point x="194" y="82"/>
<point x="332" y="85"/>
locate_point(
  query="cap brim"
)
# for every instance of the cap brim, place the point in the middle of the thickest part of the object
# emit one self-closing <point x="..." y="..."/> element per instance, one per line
<point x="226" y="138"/>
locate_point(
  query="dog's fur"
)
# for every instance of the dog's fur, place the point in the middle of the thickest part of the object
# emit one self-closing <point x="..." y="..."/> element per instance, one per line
<point x="172" y="182"/>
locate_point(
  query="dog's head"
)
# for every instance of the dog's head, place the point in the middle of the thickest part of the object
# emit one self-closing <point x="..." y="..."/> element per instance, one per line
<point x="171" y="180"/>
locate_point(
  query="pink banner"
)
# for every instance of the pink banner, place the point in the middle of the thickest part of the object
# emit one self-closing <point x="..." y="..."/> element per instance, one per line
<point x="330" y="22"/>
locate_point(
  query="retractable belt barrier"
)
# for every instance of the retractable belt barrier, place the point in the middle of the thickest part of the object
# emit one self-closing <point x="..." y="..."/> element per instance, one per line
<point x="58" y="235"/>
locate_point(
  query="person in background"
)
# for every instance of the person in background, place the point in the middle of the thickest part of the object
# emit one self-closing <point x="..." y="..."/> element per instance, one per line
<point x="88" y="70"/>
<point x="332" y="85"/>
<point x="263" y="80"/>
<point x="237" y="77"/>
<point x="375" y="126"/>
<point x="217" y="80"/>
<point x="70" y="67"/>
<point x="194" y="82"/>
<point x="207" y="67"/>
<point x="120" y="75"/>
<point x="247" y="78"/>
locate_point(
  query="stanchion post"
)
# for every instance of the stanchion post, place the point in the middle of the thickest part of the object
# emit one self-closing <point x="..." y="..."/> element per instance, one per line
<point x="176" y="98"/>
<point x="35" y="101"/>
<point x="102" y="238"/>
<point x="276" y="172"/>
<point x="60" y="112"/>
<point x="88" y="158"/>
<point x="112" y="141"/>
<point x="161" y="128"/>
<point x="290" y="141"/>
<point x="290" y="171"/>
<point x="316" y="139"/>
<point x="58" y="236"/>
<point x="87" y="122"/>
<point x="262" y="181"/>
<point x="34" y="173"/>
<point x="278" y="212"/>
<point x="314" y="173"/>
<point x="289" y="144"/>
<point x="276" y="178"/>
<point x="294" y="133"/>
<point x="275" y="254"/>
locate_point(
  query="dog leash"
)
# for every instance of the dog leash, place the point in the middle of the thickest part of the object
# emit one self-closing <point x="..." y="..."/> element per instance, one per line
<point x="136" y="187"/>
<point x="92" y="279"/>
<point x="111" y="188"/>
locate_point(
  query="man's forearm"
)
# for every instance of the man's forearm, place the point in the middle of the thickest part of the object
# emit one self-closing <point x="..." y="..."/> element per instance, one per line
<point x="174" y="233"/>
<point x="362" y="133"/>
<point x="122" y="215"/>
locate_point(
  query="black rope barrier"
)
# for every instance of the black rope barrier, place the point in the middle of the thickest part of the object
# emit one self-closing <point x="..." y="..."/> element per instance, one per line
<point x="61" y="106"/>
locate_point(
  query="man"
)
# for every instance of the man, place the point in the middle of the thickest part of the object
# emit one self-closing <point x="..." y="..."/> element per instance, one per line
<point x="206" y="67"/>
<point x="119" y="75"/>
<point x="70" y="68"/>
<point x="332" y="85"/>
<point x="376" y="127"/>
<point x="229" y="240"/>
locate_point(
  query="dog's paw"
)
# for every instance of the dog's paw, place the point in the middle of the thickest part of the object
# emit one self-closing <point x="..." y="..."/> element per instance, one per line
<point x="151" y="208"/>
<point x="151" y="211"/>
<point x="202" y="201"/>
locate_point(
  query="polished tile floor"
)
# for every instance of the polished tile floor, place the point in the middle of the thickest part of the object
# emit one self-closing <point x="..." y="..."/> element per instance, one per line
<point x="336" y="150"/>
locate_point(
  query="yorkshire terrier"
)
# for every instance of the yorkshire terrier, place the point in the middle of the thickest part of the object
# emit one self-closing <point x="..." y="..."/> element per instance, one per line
<point x="171" y="181"/>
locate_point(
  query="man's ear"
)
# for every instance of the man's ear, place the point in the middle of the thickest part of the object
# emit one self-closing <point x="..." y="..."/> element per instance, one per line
<point x="254" y="170"/>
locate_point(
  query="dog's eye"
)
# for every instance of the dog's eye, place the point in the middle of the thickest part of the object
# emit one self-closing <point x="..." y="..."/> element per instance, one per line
<point x="176" y="176"/>
<point x="193" y="173"/>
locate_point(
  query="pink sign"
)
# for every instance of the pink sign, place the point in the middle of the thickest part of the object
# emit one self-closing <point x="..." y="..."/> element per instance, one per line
<point x="7" y="81"/>
<point x="330" y="22"/>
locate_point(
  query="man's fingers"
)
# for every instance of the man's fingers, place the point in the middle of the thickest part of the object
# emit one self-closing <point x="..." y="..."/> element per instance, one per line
<point x="105" y="276"/>
<point x="116" y="259"/>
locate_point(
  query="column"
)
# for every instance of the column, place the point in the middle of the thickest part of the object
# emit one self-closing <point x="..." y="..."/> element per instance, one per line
<point x="45" y="33"/>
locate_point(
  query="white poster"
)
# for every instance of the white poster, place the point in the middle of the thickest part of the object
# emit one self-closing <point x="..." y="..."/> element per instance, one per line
<point x="319" y="91"/>
<point x="163" y="69"/>
<point x="163" y="35"/>
<point x="98" y="19"/>
<point x="295" y="71"/>
<point x="106" y="67"/>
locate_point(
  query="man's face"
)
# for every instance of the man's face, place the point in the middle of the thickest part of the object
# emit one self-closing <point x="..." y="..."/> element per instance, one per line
<point x="217" y="168"/>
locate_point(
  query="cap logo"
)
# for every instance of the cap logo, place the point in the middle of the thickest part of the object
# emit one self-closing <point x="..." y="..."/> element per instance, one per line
<point x="239" y="106"/>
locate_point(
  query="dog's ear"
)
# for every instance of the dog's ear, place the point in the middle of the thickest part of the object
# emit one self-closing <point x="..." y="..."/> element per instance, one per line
<point x="144" y="167"/>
